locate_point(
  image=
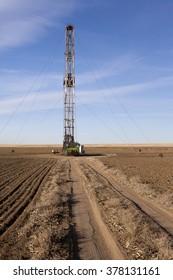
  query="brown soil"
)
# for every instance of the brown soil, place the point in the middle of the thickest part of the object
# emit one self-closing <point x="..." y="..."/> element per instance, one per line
<point x="149" y="175"/>
<point x="116" y="206"/>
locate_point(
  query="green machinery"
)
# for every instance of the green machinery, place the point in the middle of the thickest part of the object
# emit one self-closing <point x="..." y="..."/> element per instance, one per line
<point x="74" y="149"/>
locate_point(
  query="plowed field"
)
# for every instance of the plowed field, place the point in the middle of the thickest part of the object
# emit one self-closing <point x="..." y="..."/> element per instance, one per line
<point x="113" y="203"/>
<point x="20" y="180"/>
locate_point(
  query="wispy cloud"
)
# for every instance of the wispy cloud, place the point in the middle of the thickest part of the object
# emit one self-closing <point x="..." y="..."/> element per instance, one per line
<point x="16" y="86"/>
<point x="22" y="90"/>
<point x="45" y="101"/>
<point x="111" y="94"/>
<point x="25" y="21"/>
<point x="112" y="68"/>
<point x="17" y="83"/>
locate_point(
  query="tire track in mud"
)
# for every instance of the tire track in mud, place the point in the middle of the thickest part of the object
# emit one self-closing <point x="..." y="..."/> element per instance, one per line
<point x="142" y="229"/>
<point x="96" y="241"/>
<point x="79" y="227"/>
<point x="16" y="200"/>
<point x="159" y="215"/>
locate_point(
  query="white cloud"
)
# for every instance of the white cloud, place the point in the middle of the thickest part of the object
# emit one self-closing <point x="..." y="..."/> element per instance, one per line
<point x="137" y="88"/>
<point x="22" y="91"/>
<point x="115" y="67"/>
<point x="45" y="101"/>
<point x="18" y="83"/>
<point x="17" y="86"/>
<point x="25" y="21"/>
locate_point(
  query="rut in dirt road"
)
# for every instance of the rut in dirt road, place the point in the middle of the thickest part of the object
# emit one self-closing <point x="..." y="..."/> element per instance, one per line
<point x="142" y="229"/>
<point x="159" y="215"/>
<point x="95" y="242"/>
<point x="72" y="208"/>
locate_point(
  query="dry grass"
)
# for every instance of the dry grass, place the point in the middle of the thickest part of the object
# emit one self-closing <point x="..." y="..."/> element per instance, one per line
<point x="138" y="235"/>
<point x="150" y="176"/>
<point x="44" y="233"/>
<point x="45" y="230"/>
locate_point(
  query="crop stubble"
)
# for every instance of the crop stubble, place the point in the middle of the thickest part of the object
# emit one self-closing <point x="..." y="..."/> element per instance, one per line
<point x="137" y="234"/>
<point x="36" y="209"/>
<point x="35" y="194"/>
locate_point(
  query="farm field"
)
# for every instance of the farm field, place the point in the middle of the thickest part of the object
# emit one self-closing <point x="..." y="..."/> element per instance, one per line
<point x="114" y="203"/>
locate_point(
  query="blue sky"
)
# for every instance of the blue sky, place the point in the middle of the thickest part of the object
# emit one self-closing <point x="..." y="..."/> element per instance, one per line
<point x="123" y="68"/>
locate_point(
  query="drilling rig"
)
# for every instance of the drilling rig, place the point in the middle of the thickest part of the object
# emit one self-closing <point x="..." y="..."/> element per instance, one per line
<point x="70" y="147"/>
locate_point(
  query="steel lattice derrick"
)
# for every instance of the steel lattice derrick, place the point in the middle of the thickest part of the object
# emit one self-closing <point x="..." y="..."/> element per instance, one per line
<point x="69" y="87"/>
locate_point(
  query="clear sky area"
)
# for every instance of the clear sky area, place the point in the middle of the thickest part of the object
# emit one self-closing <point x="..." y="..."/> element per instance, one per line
<point x="123" y="70"/>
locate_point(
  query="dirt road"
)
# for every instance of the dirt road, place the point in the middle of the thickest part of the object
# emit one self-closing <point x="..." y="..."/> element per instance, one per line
<point x="95" y="240"/>
<point x="72" y="208"/>
<point x="158" y="214"/>
<point x="123" y="210"/>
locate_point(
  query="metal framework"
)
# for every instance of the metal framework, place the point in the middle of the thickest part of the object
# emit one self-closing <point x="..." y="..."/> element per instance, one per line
<point x="69" y="88"/>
